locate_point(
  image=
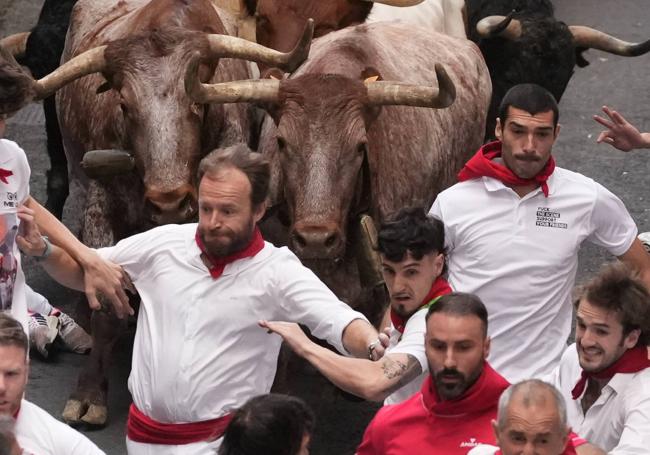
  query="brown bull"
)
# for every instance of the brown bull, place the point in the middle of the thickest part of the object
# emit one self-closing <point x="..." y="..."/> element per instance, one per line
<point x="134" y="55"/>
<point x="343" y="143"/>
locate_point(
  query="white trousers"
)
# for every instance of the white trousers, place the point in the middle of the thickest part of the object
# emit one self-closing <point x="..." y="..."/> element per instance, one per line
<point x="198" y="448"/>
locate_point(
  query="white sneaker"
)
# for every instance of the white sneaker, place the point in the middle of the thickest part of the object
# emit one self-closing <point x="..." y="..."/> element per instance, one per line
<point x="645" y="239"/>
<point x="73" y="336"/>
<point x="42" y="332"/>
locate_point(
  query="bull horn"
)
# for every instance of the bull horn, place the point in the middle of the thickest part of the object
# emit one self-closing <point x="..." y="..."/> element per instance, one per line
<point x="397" y="2"/>
<point x="224" y="46"/>
<point x="15" y="44"/>
<point x="261" y="90"/>
<point x="589" y="38"/>
<point x="383" y="93"/>
<point x="499" y="26"/>
<point x="107" y="163"/>
<point x="91" y="61"/>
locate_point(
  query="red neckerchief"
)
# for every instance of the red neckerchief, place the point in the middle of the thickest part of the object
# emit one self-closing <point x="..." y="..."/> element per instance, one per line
<point x="633" y="361"/>
<point x="217" y="265"/>
<point x="482" y="165"/>
<point x="4" y="173"/>
<point x="481" y="396"/>
<point x="439" y="288"/>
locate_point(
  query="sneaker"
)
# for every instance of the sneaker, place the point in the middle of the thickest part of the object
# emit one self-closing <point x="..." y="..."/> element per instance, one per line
<point x="42" y="332"/>
<point x="73" y="336"/>
<point x="645" y="239"/>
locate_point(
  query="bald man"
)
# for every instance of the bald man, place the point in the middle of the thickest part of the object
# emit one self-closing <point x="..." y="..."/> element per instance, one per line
<point x="532" y="420"/>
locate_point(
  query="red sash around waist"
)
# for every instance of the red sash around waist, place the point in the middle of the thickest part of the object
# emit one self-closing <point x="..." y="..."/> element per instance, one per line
<point x="141" y="428"/>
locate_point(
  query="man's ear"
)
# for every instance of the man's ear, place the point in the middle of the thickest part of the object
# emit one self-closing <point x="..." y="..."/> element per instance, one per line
<point x="258" y="211"/>
<point x="439" y="264"/>
<point x="486" y="347"/>
<point x="495" y="428"/>
<point x="557" y="131"/>
<point x="498" y="129"/>
<point x="632" y="338"/>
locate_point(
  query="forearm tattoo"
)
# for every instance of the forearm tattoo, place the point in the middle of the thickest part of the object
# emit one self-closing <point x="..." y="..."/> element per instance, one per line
<point x="393" y="369"/>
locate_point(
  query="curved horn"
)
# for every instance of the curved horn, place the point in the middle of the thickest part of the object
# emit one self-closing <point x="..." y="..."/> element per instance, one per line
<point x="396" y="2"/>
<point x="588" y="37"/>
<point x="261" y="90"/>
<point x="91" y="61"/>
<point x="15" y="44"/>
<point x="224" y="46"/>
<point x="499" y="26"/>
<point x="384" y="93"/>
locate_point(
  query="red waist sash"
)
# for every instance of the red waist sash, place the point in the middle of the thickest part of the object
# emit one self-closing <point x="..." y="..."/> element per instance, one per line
<point x="141" y="428"/>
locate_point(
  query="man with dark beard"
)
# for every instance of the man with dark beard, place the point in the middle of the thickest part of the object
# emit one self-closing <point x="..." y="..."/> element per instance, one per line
<point x="458" y="400"/>
<point x="199" y="353"/>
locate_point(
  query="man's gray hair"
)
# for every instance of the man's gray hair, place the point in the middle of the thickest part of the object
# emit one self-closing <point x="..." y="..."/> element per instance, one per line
<point x="533" y="392"/>
<point x="7" y="428"/>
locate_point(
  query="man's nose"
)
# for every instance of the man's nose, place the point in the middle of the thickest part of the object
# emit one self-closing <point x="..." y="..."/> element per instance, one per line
<point x="529" y="144"/>
<point x="529" y="449"/>
<point x="450" y="359"/>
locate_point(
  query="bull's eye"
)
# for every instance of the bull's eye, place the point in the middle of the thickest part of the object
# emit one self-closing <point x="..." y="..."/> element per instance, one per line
<point x="281" y="143"/>
<point x="124" y="109"/>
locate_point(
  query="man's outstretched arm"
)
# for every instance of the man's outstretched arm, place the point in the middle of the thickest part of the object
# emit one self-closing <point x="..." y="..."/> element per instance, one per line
<point x="371" y="380"/>
<point x="638" y="259"/>
<point x="99" y="276"/>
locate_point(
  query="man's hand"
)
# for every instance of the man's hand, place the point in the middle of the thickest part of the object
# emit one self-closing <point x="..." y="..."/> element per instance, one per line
<point x="620" y="133"/>
<point x="110" y="280"/>
<point x="290" y="332"/>
<point x="29" y="240"/>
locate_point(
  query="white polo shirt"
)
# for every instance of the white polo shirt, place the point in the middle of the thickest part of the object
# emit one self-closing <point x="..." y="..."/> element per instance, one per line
<point x="38" y="433"/>
<point x="199" y="352"/>
<point x="12" y="195"/>
<point x="619" y="421"/>
<point x="520" y="256"/>
<point x="410" y="342"/>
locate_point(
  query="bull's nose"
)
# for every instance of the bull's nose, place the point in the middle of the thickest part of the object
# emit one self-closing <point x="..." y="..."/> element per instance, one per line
<point x="177" y="206"/>
<point x="317" y="241"/>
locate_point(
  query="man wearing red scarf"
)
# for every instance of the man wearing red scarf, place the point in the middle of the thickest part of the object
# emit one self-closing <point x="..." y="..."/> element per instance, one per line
<point x="513" y="227"/>
<point x="411" y="246"/>
<point x="36" y="431"/>
<point x="199" y="352"/>
<point x="605" y="376"/>
<point x="458" y="400"/>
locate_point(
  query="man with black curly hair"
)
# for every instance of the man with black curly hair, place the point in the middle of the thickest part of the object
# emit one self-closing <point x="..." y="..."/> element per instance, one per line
<point x="411" y="245"/>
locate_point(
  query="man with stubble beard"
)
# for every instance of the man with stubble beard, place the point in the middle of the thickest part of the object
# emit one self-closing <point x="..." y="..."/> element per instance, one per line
<point x="199" y="353"/>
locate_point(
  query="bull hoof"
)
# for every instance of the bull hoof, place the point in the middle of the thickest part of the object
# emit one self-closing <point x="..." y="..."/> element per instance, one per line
<point x="96" y="415"/>
<point x="72" y="412"/>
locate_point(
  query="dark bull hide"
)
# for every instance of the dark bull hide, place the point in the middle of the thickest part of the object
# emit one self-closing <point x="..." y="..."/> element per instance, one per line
<point x="522" y="42"/>
<point x="121" y="87"/>
<point x="343" y="141"/>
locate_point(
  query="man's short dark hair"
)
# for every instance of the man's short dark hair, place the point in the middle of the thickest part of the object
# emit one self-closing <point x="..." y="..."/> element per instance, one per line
<point x="618" y="289"/>
<point x="531" y="98"/>
<point x="410" y="230"/>
<point x="270" y="424"/>
<point x="253" y="164"/>
<point x="17" y="88"/>
<point x="460" y="304"/>
<point x="12" y="333"/>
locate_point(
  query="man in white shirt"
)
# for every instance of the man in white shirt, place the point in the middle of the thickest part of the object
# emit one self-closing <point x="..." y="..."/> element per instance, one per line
<point x="513" y="228"/>
<point x="36" y="431"/>
<point x="411" y="246"/>
<point x="199" y="353"/>
<point x="605" y="376"/>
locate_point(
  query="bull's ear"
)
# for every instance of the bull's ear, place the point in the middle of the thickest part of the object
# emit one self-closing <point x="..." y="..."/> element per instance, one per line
<point x="105" y="87"/>
<point x="273" y="73"/>
<point x="370" y="74"/>
<point x="272" y="108"/>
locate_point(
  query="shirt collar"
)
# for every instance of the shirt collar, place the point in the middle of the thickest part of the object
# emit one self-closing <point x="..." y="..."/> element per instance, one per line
<point x="492" y="185"/>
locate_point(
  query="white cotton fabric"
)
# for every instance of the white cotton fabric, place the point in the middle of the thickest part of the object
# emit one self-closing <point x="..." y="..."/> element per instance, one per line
<point x="410" y="342"/>
<point x="619" y="421"/>
<point x="38" y="433"/>
<point x="199" y="352"/>
<point x="520" y="256"/>
<point x="12" y="195"/>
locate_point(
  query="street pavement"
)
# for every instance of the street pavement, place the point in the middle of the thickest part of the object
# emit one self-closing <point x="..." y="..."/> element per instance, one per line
<point x="622" y="83"/>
